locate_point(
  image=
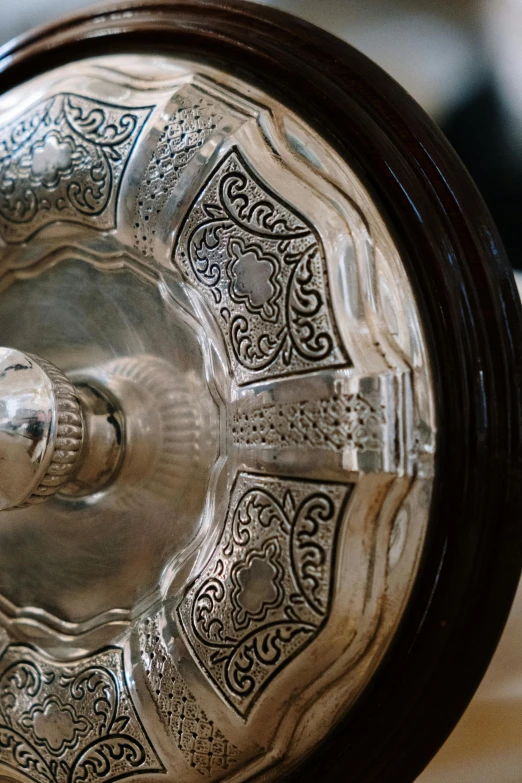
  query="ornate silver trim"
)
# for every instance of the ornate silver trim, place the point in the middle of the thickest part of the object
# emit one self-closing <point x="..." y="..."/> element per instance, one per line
<point x="64" y="160"/>
<point x="70" y="722"/>
<point x="260" y="267"/>
<point x="226" y="210"/>
<point x="265" y="593"/>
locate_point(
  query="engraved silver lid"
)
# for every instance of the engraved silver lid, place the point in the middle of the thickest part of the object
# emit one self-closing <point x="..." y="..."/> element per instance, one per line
<point x="222" y="572"/>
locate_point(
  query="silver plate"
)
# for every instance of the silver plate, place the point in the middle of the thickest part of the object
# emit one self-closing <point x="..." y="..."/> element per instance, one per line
<point x="174" y="234"/>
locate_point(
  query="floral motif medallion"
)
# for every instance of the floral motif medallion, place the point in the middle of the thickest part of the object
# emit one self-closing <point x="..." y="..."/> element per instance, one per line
<point x="260" y="267"/>
<point x="63" y="160"/>
<point x="265" y="593"/>
<point x="70" y="723"/>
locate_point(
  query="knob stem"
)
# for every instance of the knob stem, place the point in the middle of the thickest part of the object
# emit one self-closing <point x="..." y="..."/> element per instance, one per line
<point x="103" y="442"/>
<point x="55" y="436"/>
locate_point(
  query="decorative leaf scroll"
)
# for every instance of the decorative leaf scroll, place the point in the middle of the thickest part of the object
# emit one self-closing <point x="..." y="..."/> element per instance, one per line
<point x="70" y="723"/>
<point x="260" y="267"/>
<point x="63" y="160"/>
<point x="265" y="594"/>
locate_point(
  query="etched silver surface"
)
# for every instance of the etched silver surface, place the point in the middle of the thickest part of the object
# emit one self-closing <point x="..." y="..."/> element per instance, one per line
<point x="265" y="593"/>
<point x="70" y="723"/>
<point x="336" y="422"/>
<point x="260" y="267"/>
<point x="63" y="160"/>
<point x="203" y="746"/>
<point x="188" y="245"/>
<point x="184" y="133"/>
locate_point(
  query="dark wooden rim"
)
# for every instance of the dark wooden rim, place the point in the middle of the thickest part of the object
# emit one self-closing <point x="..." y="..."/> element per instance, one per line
<point x="472" y="318"/>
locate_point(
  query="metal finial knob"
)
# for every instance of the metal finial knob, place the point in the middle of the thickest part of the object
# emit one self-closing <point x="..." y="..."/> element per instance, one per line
<point x="131" y="420"/>
<point x="41" y="429"/>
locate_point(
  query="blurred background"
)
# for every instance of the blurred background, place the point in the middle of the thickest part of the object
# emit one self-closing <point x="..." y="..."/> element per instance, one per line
<point x="462" y="61"/>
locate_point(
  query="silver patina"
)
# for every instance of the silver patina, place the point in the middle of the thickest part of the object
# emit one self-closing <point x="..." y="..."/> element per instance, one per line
<point x="216" y="428"/>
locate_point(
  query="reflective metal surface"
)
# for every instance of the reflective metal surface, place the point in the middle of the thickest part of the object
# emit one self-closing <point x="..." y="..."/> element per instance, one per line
<point x="224" y="575"/>
<point x="41" y="429"/>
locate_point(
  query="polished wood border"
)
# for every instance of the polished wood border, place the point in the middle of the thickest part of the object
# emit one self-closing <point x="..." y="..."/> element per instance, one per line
<point x="472" y="317"/>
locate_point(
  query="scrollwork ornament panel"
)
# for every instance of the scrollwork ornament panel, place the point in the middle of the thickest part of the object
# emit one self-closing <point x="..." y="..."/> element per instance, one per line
<point x="260" y="267"/>
<point x="63" y="160"/>
<point x="265" y="593"/>
<point x="70" y="723"/>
